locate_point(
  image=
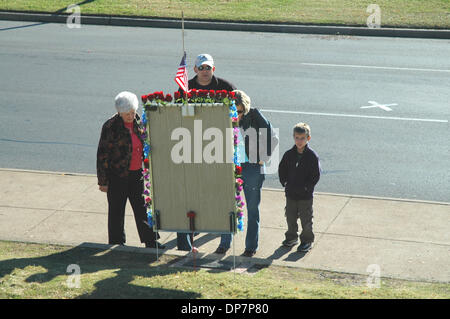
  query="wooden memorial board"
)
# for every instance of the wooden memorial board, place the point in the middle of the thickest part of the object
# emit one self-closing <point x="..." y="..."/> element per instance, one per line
<point x="195" y="184"/>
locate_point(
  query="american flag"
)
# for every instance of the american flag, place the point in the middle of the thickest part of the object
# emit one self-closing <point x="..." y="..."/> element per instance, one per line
<point x="182" y="78"/>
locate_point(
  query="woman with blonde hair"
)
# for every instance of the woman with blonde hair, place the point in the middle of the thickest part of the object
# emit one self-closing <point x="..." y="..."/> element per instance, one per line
<point x="254" y="153"/>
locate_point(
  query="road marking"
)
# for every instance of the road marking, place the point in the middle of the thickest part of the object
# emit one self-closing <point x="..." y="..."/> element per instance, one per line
<point x="375" y="67"/>
<point x="358" y="116"/>
<point x="381" y="106"/>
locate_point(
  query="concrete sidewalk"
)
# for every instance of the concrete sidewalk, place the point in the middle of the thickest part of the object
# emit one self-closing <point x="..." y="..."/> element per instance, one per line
<point x="406" y="239"/>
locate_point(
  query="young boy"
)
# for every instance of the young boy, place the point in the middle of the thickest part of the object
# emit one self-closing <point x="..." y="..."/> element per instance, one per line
<point x="299" y="172"/>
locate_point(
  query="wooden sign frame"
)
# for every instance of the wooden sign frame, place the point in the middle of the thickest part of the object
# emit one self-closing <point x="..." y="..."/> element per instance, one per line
<point x="196" y="184"/>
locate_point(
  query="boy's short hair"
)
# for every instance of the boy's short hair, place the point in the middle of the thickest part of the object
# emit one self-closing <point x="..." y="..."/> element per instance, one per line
<point x="301" y="128"/>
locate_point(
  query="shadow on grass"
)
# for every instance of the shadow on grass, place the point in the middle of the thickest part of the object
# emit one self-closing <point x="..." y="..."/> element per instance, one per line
<point x="62" y="10"/>
<point x="126" y="265"/>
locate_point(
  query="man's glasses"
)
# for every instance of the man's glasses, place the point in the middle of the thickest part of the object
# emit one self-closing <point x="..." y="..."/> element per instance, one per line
<point x="204" y="67"/>
<point x="240" y="111"/>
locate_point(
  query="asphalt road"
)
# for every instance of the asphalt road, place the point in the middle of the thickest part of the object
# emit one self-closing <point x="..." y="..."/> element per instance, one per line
<point x="57" y="87"/>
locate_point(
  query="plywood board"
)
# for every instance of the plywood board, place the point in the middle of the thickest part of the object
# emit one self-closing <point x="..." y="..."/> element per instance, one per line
<point x="208" y="189"/>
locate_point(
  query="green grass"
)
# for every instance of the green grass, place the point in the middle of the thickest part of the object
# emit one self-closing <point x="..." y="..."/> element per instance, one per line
<point x="40" y="271"/>
<point x="394" y="13"/>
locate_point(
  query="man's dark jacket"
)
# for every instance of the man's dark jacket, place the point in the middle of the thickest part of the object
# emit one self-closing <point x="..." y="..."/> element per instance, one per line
<point x="299" y="176"/>
<point x="216" y="84"/>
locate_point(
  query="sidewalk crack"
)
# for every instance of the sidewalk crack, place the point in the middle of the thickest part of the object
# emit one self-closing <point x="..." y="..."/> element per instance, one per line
<point x="39" y="223"/>
<point x="334" y="219"/>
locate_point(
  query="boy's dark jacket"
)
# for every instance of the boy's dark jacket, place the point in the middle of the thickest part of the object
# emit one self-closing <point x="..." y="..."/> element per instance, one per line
<point x="299" y="179"/>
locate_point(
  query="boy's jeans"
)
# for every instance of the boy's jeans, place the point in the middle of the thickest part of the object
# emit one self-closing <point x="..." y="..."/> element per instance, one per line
<point x="253" y="181"/>
<point x="302" y="209"/>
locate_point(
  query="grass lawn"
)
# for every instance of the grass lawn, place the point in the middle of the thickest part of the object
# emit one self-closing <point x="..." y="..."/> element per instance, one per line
<point x="394" y="13"/>
<point x="40" y="271"/>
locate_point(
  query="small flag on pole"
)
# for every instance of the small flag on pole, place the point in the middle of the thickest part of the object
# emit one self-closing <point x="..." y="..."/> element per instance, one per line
<point x="182" y="78"/>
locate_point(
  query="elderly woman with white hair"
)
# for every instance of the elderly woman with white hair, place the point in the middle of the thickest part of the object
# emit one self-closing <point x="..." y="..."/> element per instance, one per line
<point x="119" y="170"/>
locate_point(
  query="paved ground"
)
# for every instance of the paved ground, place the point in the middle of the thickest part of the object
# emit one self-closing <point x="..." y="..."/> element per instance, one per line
<point x="406" y="239"/>
<point x="61" y="84"/>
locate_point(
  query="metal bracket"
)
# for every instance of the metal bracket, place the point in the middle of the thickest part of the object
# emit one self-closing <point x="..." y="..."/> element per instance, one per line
<point x="157" y="219"/>
<point x="187" y="110"/>
<point x="233" y="225"/>
<point x="191" y="215"/>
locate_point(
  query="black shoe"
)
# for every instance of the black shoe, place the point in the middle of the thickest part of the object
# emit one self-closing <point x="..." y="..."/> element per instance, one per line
<point x="290" y="243"/>
<point x="304" y="247"/>
<point x="116" y="244"/>
<point x="249" y="253"/>
<point x="221" y="250"/>
<point x="153" y="245"/>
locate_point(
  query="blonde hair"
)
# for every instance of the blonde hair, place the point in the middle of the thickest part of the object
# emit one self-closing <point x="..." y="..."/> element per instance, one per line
<point x="243" y="99"/>
<point x="301" y="128"/>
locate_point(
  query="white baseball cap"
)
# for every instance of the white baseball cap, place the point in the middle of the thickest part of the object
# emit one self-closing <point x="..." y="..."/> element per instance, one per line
<point x="204" y="59"/>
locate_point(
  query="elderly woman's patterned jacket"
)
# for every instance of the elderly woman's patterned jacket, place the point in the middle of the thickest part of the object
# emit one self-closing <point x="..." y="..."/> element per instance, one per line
<point x="115" y="148"/>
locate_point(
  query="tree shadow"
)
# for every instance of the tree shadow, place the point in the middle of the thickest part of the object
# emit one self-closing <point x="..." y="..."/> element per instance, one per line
<point x="199" y="240"/>
<point x="62" y="10"/>
<point x="205" y="239"/>
<point x="127" y="265"/>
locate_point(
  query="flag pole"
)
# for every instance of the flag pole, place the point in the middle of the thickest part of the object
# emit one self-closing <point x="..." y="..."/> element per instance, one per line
<point x="182" y="27"/>
<point x="184" y="52"/>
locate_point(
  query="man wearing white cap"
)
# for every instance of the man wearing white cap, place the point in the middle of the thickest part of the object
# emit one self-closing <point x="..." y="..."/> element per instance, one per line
<point x="204" y="80"/>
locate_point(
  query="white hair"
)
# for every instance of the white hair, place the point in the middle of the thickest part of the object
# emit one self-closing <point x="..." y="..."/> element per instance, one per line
<point x="126" y="101"/>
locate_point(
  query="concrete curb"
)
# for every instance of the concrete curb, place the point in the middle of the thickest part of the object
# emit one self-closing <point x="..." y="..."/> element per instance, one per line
<point x="264" y="188"/>
<point x="229" y="26"/>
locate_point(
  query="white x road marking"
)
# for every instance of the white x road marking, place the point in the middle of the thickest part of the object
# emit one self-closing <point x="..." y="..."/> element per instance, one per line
<point x="381" y="106"/>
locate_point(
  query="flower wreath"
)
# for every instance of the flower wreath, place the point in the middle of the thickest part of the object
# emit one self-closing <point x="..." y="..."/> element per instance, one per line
<point x="193" y="96"/>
